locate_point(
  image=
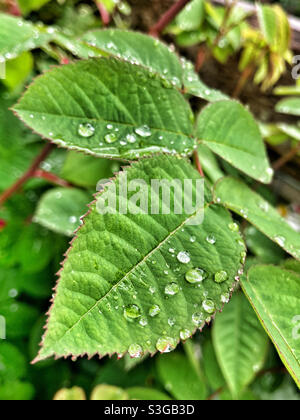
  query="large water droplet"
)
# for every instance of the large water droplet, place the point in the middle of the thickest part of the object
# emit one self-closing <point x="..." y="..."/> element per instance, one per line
<point x="110" y="138"/>
<point x="132" y="312"/>
<point x="184" y="257"/>
<point x="209" y="306"/>
<point x="225" y="298"/>
<point x="143" y="131"/>
<point x="195" y="275"/>
<point x="221" y="276"/>
<point x="211" y="239"/>
<point x="172" y="289"/>
<point x="234" y="227"/>
<point x="154" y="310"/>
<point x="280" y="240"/>
<point x="135" y="351"/>
<point x="131" y="138"/>
<point x="165" y="344"/>
<point x="185" y="334"/>
<point x="198" y="318"/>
<point x="86" y="130"/>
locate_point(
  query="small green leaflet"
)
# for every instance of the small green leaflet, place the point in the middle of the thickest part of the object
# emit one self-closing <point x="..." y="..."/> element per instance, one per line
<point x="17" y="36"/>
<point x="231" y="132"/>
<point x="143" y="281"/>
<point x="283" y="327"/>
<point x="258" y="212"/>
<point x="60" y="209"/>
<point x="290" y="106"/>
<point x="240" y="343"/>
<point x="108" y="108"/>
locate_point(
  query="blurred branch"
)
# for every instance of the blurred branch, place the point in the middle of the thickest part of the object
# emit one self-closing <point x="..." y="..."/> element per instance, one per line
<point x="167" y="18"/>
<point x="27" y="175"/>
<point x="286" y="158"/>
<point x="53" y="179"/>
<point x="13" y="7"/>
<point x="105" y="16"/>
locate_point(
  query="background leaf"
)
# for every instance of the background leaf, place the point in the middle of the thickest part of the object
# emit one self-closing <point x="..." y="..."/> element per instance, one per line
<point x="230" y="131"/>
<point x="282" y="292"/>
<point x="179" y="377"/>
<point x="258" y="212"/>
<point x="240" y="343"/>
<point x="60" y="209"/>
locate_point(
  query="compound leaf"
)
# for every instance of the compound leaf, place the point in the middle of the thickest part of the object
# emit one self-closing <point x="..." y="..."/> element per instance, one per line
<point x="128" y="271"/>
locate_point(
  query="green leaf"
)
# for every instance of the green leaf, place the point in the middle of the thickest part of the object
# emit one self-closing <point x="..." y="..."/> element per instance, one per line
<point x="146" y="394"/>
<point x="192" y="16"/>
<point x="151" y="53"/>
<point x="19" y="318"/>
<point x="12" y="362"/>
<point x="240" y="344"/>
<point x="16" y="391"/>
<point x="138" y="49"/>
<point x="262" y="247"/>
<point x="231" y="132"/>
<point x="17" y="36"/>
<point x="258" y="212"/>
<point x="87" y="171"/>
<point x="34" y="249"/>
<point x="211" y="367"/>
<point x="290" y="106"/>
<point x="194" y="86"/>
<point x="18" y="70"/>
<point x="60" y="209"/>
<point x="277" y="307"/>
<point x="108" y="108"/>
<point x="28" y="6"/>
<point x="275" y="27"/>
<point x="126" y="264"/>
<point x="291" y="265"/>
<point x="292" y="131"/>
<point x="179" y="377"/>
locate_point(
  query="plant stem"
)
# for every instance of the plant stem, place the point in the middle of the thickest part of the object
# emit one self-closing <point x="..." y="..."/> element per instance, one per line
<point x="105" y="16"/>
<point x="27" y="175"/>
<point x="245" y="76"/>
<point x="198" y="163"/>
<point x="167" y="18"/>
<point x="13" y="8"/>
<point x="286" y="158"/>
<point x="39" y="173"/>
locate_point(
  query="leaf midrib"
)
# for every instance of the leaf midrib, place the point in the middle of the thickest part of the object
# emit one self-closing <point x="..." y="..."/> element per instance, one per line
<point x="133" y="268"/>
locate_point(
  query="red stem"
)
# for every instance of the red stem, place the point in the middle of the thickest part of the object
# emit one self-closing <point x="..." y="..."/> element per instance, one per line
<point x="27" y="175"/>
<point x="105" y="16"/>
<point x="198" y="163"/>
<point x="167" y="18"/>
<point x="13" y="8"/>
<point x="39" y="173"/>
